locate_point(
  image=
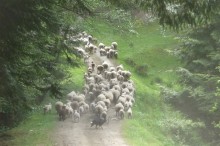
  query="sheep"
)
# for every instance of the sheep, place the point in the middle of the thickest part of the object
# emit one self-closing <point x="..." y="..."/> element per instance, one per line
<point x="75" y="105"/>
<point x="58" y="106"/>
<point x="126" y="75"/>
<point x="89" y="70"/>
<point x="120" y="78"/>
<point x="102" y="103"/>
<point x="80" y="97"/>
<point x="71" y="95"/>
<point x="98" y="109"/>
<point x="129" y="113"/>
<point x="105" y="65"/>
<point x="93" y="66"/>
<point x="114" y="45"/>
<point x="102" y="52"/>
<point x="98" y="78"/>
<point x="113" y="74"/>
<point x="116" y="55"/>
<point x="125" y="90"/>
<point x="118" y="107"/>
<point x="116" y="87"/>
<point x="62" y="113"/>
<point x="86" y="107"/>
<point x="116" y="95"/>
<point x="100" y="69"/>
<point x="122" y="100"/>
<point x="121" y="114"/>
<point x="47" y="108"/>
<point x="107" y="102"/>
<point x="101" y="46"/>
<point x="76" y="116"/>
<point x="113" y="82"/>
<point x="107" y="75"/>
<point x="127" y="105"/>
<point x="101" y="97"/>
<point x="69" y="110"/>
<point x="81" y="110"/>
<point x="109" y="95"/>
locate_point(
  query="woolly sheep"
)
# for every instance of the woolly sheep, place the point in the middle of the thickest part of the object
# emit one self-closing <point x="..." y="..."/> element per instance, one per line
<point x="105" y="65"/>
<point x="107" y="102"/>
<point x="62" y="113"/>
<point x="109" y="95"/>
<point x="98" y="78"/>
<point x="122" y="100"/>
<point x="102" y="103"/>
<point x="81" y="110"/>
<point x="93" y="66"/>
<point x="75" y="105"/>
<point x="86" y="107"/>
<point x="80" y="97"/>
<point x="102" y="52"/>
<point x="58" y="106"/>
<point x="129" y="113"/>
<point x="101" y="97"/>
<point x="114" y="45"/>
<point x="69" y="110"/>
<point x="116" y="95"/>
<point x="101" y="46"/>
<point x="71" y="95"/>
<point x="76" y="116"/>
<point x="121" y="114"/>
<point x="118" y="107"/>
<point x="100" y="69"/>
<point x="47" y="108"/>
<point x="120" y="67"/>
<point x="98" y="109"/>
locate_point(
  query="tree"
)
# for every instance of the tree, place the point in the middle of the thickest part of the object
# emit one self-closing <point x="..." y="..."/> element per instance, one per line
<point x="31" y="48"/>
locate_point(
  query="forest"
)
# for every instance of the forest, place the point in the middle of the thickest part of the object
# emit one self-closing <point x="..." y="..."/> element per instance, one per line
<point x="172" y="48"/>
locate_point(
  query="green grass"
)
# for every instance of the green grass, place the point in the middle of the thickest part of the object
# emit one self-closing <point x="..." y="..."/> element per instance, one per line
<point x="34" y="131"/>
<point x="148" y="47"/>
<point x="37" y="129"/>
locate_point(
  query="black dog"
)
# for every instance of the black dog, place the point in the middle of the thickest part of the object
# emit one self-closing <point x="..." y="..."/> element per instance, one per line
<point x="98" y="122"/>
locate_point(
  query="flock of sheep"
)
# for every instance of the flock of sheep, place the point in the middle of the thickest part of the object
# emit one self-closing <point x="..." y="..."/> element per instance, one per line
<point x="106" y="86"/>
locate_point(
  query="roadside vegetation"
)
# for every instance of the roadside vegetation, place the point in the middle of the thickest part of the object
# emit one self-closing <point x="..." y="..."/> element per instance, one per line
<point x="176" y="75"/>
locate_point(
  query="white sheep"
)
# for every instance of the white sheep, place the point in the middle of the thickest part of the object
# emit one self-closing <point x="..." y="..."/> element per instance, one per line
<point x="101" y="46"/>
<point x="129" y="113"/>
<point x="118" y="107"/>
<point x="121" y="114"/>
<point x="81" y="110"/>
<point x="86" y="107"/>
<point x="76" y="116"/>
<point x="47" y="108"/>
<point x="58" y="106"/>
<point x="114" y="45"/>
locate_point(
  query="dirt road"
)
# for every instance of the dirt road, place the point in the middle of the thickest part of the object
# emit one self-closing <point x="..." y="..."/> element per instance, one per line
<point x="68" y="133"/>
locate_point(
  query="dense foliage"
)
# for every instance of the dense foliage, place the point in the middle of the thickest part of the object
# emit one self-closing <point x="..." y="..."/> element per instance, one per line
<point x="174" y="13"/>
<point x="200" y="99"/>
<point x="32" y="50"/>
<point x="34" y="53"/>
